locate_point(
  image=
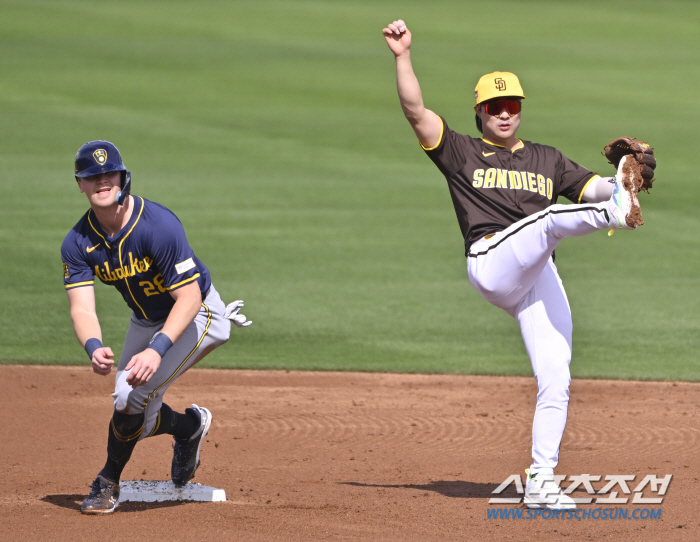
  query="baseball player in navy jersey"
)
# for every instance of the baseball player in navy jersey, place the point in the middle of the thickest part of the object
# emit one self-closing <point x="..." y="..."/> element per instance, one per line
<point x="178" y="317"/>
<point x="505" y="192"/>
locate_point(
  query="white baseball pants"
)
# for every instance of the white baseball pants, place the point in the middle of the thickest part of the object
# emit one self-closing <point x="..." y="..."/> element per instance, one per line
<point x="514" y="271"/>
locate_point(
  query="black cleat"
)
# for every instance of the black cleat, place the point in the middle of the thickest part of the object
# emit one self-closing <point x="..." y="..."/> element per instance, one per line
<point x="103" y="498"/>
<point x="186" y="451"/>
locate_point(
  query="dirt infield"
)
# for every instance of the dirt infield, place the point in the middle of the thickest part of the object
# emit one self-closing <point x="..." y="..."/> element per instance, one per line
<point x="314" y="456"/>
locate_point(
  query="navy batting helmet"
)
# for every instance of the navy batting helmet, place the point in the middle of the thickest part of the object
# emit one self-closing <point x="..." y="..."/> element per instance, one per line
<point x="102" y="157"/>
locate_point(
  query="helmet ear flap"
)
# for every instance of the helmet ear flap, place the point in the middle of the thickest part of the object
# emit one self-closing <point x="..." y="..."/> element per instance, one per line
<point x="126" y="187"/>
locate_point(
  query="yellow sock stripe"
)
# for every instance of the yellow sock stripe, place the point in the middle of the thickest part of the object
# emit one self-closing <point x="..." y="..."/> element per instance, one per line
<point x="155" y="426"/>
<point x="126" y="438"/>
<point x="206" y="330"/>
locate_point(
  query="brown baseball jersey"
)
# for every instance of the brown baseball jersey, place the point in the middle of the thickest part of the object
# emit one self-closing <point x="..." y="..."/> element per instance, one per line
<point x="493" y="187"/>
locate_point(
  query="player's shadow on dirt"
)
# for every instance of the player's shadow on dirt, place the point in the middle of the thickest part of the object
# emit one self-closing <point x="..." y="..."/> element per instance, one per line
<point x="72" y="502"/>
<point x="452" y="488"/>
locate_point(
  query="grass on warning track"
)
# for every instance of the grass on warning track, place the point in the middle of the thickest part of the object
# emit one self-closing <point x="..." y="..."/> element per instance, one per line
<point x="273" y="130"/>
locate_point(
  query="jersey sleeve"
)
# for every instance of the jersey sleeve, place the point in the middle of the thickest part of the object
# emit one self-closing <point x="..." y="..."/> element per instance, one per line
<point x="450" y="154"/>
<point x="172" y="254"/>
<point x="574" y="179"/>
<point x="76" y="270"/>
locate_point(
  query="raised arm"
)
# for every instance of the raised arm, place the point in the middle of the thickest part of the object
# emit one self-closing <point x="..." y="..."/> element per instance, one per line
<point x="426" y="124"/>
<point x="86" y="327"/>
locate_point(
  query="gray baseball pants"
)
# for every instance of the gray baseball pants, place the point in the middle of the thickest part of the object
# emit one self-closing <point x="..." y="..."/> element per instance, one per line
<point x="208" y="330"/>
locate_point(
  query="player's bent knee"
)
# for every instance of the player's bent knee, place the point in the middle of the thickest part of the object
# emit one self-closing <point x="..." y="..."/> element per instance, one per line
<point x="127" y="423"/>
<point x="124" y="402"/>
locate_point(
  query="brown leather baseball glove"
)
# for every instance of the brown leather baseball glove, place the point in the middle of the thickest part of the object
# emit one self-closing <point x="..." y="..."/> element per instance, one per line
<point x="642" y="152"/>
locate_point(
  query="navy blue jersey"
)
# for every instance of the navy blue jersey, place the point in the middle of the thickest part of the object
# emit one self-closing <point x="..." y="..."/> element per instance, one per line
<point x="148" y="258"/>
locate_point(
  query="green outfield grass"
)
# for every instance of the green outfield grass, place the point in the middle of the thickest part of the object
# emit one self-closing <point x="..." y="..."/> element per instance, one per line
<point x="273" y="130"/>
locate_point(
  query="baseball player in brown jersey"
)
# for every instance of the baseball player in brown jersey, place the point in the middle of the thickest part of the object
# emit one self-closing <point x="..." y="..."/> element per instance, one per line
<point x="505" y="193"/>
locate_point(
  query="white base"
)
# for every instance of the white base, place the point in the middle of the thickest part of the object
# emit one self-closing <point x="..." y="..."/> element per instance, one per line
<point x="157" y="491"/>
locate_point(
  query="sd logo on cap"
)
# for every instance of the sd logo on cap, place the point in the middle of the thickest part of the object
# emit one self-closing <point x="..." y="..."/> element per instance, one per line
<point x="497" y="85"/>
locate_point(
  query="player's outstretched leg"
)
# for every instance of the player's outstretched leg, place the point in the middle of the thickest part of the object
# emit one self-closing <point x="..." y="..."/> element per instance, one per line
<point x="504" y="266"/>
<point x="186" y="451"/>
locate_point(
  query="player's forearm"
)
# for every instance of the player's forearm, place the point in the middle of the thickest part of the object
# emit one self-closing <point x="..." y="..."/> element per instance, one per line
<point x="187" y="305"/>
<point x="84" y="314"/>
<point x="425" y="123"/>
<point x="600" y="189"/>
<point x="86" y="325"/>
<point x="408" y="88"/>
